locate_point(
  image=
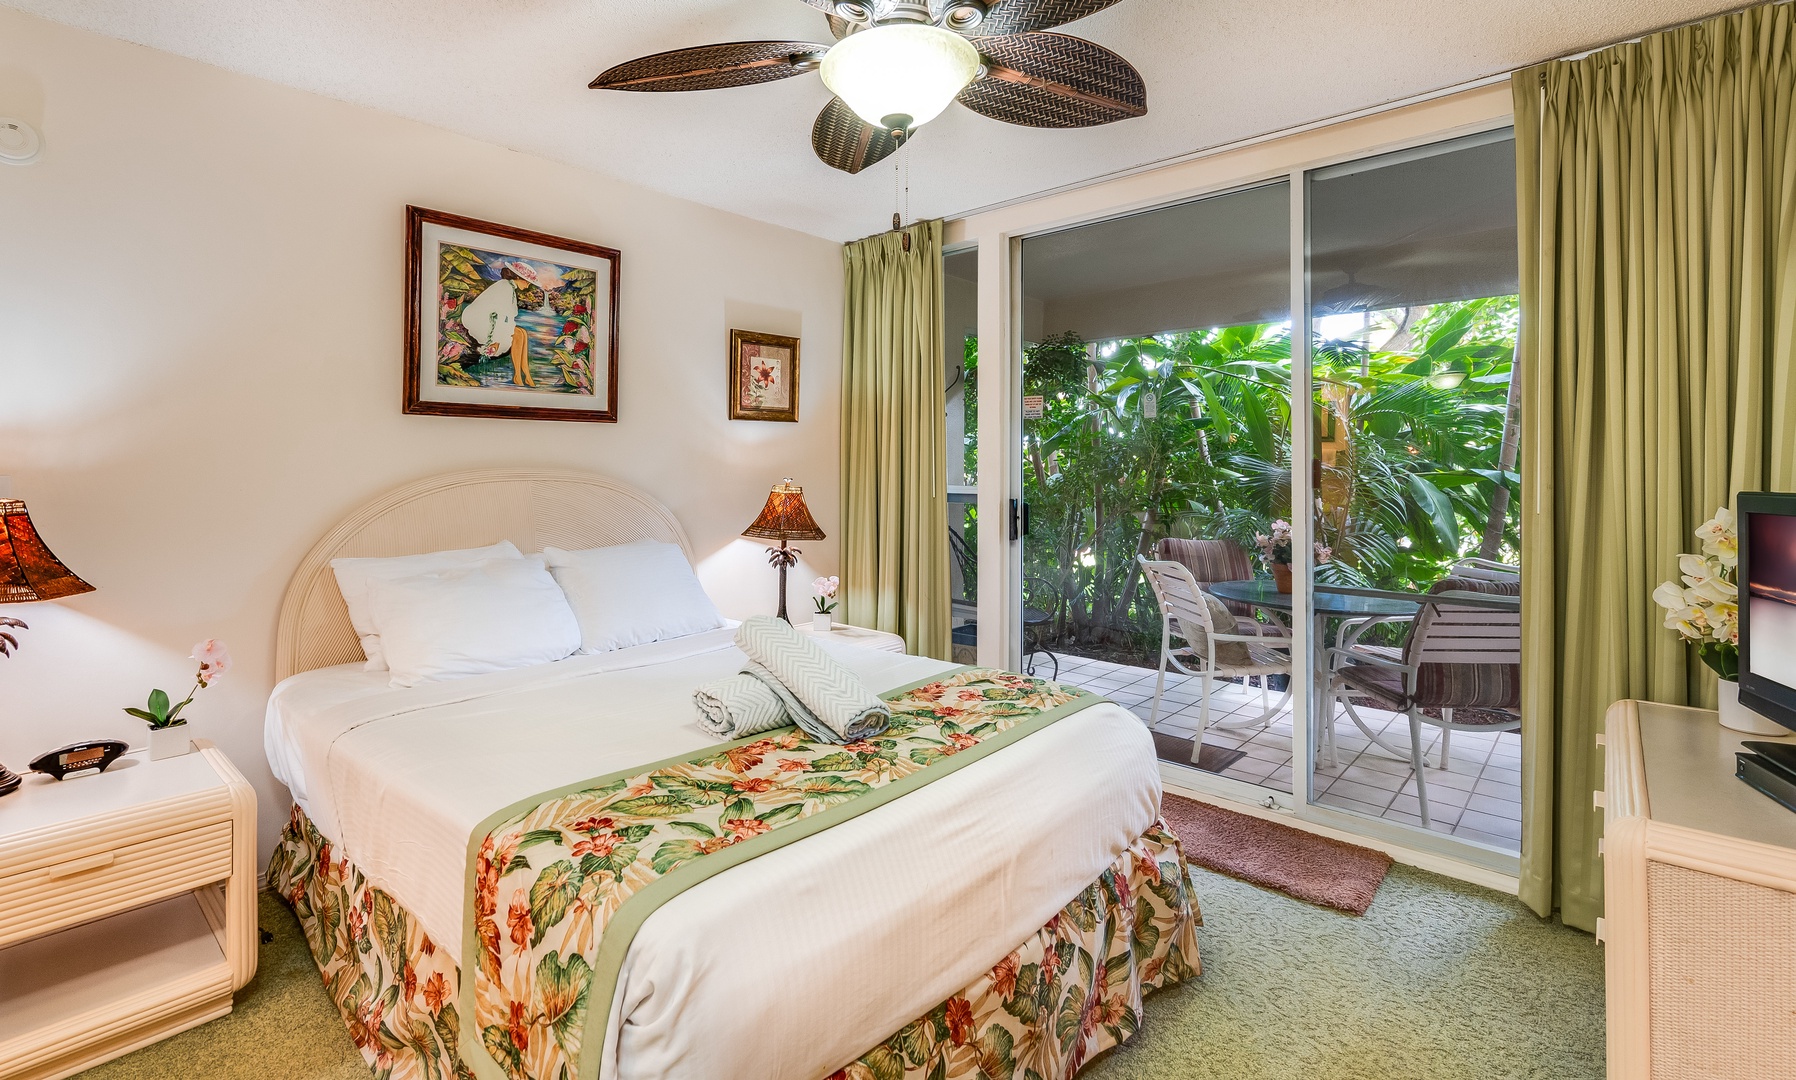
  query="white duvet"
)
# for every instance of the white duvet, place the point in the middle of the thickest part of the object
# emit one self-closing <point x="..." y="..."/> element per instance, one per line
<point x="786" y="967"/>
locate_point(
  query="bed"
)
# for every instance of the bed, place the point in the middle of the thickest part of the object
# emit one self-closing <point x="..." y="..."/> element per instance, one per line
<point x="1003" y="921"/>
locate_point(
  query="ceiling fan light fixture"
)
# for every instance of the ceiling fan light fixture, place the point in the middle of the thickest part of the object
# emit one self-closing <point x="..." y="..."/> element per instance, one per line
<point x="905" y="72"/>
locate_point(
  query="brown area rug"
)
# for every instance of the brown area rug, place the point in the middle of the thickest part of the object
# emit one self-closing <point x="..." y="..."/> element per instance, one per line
<point x="1318" y="869"/>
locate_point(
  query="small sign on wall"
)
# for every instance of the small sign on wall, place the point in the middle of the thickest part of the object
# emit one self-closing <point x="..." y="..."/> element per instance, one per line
<point x="1032" y="406"/>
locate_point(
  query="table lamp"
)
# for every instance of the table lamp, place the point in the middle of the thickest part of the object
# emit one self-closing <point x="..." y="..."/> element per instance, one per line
<point x="28" y="572"/>
<point x="784" y="518"/>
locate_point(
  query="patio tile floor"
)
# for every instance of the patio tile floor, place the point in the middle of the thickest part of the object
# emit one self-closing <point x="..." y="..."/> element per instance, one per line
<point x="1478" y="797"/>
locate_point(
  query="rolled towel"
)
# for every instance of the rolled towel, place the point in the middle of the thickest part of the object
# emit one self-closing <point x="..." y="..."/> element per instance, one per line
<point x="739" y="706"/>
<point x="825" y="699"/>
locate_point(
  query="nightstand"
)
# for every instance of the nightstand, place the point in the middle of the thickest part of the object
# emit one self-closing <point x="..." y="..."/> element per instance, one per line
<point x="127" y="908"/>
<point x="857" y="635"/>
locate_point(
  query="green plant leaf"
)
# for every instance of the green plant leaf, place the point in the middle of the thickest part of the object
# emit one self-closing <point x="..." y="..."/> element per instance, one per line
<point x="551" y="895"/>
<point x="158" y="703"/>
<point x="562" y="987"/>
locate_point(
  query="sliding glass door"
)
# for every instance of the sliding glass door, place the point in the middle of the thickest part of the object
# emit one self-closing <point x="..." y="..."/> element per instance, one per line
<point x="1288" y="544"/>
<point x="1413" y="282"/>
<point x="1154" y="427"/>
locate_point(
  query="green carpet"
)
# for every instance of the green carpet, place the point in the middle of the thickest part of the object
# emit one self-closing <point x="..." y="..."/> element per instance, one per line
<point x="1438" y="981"/>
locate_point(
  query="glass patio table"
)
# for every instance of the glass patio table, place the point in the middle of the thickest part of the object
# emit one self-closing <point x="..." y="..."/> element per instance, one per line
<point x="1261" y="592"/>
<point x="1358" y="611"/>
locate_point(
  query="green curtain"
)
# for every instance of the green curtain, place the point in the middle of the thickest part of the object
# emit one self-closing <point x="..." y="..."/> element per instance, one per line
<point x="1657" y="199"/>
<point x="894" y="435"/>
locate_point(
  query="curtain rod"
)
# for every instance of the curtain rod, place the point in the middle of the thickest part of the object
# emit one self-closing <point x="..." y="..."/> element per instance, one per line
<point x="1338" y="118"/>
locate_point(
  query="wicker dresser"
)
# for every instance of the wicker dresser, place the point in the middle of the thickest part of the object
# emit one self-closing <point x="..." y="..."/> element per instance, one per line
<point x="1699" y="872"/>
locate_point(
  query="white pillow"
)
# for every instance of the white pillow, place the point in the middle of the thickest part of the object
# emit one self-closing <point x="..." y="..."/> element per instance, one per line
<point x="354" y="575"/>
<point x="632" y="594"/>
<point x="469" y="620"/>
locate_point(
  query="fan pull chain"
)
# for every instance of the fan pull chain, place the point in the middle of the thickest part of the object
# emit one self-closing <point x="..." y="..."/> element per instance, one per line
<point x="901" y="193"/>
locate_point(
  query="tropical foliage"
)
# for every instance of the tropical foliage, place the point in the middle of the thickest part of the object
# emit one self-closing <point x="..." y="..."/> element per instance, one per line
<point x="1189" y="434"/>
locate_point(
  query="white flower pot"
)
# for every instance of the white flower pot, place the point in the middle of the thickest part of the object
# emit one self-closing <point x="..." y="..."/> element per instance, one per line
<point x="170" y="742"/>
<point x="1737" y="717"/>
<point x="821" y="621"/>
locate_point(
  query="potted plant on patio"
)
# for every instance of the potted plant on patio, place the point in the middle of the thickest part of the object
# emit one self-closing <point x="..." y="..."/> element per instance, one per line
<point x="1276" y="550"/>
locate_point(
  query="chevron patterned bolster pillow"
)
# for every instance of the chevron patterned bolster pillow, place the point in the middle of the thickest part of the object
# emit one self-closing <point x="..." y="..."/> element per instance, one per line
<point x="739" y="706"/>
<point x="824" y="698"/>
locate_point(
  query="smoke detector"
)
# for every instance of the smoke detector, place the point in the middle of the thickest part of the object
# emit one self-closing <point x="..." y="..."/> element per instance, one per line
<point x="19" y="142"/>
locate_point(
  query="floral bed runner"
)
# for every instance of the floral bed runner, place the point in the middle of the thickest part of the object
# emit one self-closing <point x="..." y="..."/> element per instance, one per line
<point x="560" y="883"/>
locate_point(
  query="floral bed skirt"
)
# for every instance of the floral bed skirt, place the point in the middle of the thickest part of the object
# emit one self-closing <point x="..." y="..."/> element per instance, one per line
<point x="1072" y="990"/>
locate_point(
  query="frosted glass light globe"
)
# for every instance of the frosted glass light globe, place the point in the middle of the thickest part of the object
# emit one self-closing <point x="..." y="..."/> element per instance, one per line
<point x="908" y="70"/>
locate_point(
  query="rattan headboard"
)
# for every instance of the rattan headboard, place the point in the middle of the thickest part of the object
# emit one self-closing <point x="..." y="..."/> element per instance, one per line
<point x="533" y="508"/>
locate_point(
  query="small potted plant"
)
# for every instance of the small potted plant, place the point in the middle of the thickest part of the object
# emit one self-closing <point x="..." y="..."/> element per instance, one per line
<point x="1276" y="550"/>
<point x="168" y="734"/>
<point x="1705" y="611"/>
<point x="825" y="588"/>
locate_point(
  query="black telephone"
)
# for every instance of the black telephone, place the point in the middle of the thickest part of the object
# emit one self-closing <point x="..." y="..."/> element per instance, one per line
<point x="77" y="757"/>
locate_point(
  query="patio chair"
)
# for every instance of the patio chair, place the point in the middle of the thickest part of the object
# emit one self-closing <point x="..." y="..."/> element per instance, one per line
<point x="1037" y="619"/>
<point x="1211" y="561"/>
<point x="1194" y="616"/>
<point x="1487" y="569"/>
<point x="1348" y="634"/>
<point x="1460" y="670"/>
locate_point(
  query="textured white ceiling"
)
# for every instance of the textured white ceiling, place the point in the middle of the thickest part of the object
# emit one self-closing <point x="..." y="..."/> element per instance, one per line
<point x="514" y="72"/>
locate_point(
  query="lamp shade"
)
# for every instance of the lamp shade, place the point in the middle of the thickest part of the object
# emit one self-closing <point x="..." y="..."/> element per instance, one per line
<point x="785" y="517"/>
<point x="901" y="75"/>
<point x="28" y="569"/>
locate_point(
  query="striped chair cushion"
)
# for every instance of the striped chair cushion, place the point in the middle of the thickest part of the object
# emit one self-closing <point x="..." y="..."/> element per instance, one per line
<point x="1211" y="560"/>
<point x="1439" y="686"/>
<point x="1469" y="686"/>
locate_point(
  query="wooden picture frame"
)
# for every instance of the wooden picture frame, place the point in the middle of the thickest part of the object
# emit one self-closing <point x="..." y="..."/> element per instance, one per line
<point x="763" y="377"/>
<point x="507" y="323"/>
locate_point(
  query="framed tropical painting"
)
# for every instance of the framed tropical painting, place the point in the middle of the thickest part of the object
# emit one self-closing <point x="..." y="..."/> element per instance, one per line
<point x="508" y="323"/>
<point x="763" y="377"/>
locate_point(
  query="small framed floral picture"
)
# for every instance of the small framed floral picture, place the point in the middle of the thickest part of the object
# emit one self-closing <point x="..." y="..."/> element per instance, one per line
<point x="763" y="377"/>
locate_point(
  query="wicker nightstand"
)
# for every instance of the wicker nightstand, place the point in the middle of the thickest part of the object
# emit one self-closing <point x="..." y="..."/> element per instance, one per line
<point x="127" y="908"/>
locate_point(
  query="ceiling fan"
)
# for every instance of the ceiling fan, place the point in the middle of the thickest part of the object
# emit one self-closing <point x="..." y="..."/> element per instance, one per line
<point x="896" y="64"/>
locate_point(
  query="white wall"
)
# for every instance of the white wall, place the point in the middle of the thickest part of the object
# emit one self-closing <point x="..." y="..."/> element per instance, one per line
<point x="200" y="354"/>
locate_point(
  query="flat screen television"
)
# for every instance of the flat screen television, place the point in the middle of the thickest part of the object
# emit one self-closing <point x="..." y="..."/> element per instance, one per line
<point x="1766" y="523"/>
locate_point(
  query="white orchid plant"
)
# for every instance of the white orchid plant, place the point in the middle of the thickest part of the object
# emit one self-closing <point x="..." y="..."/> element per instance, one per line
<point x="1705" y="608"/>
<point x="826" y="589"/>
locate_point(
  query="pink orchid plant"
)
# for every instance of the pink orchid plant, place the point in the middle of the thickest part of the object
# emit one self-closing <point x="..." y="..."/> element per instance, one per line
<point x="825" y="588"/>
<point x="214" y="660"/>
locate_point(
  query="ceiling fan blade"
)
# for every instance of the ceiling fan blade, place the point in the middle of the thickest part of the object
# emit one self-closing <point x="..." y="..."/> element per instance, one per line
<point x="1024" y="16"/>
<point x="712" y="67"/>
<point x="845" y="141"/>
<point x="1054" y="81"/>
